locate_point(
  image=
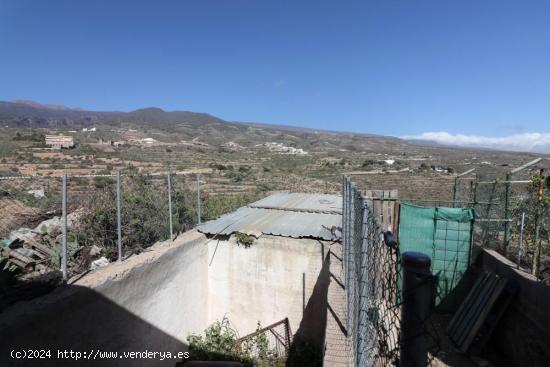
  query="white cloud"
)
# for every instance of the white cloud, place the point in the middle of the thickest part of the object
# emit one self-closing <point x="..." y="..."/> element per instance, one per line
<point x="525" y="142"/>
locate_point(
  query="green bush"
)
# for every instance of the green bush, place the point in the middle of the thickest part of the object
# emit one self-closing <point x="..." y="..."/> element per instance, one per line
<point x="244" y="239"/>
<point x="144" y="214"/>
<point x="221" y="343"/>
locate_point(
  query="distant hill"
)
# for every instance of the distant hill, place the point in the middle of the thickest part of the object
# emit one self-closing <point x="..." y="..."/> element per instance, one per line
<point x="186" y="124"/>
<point x="37" y="115"/>
<point x="40" y="105"/>
<point x="176" y="126"/>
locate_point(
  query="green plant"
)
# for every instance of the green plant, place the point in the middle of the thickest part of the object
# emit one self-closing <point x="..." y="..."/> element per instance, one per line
<point x="56" y="253"/>
<point x="244" y="239"/>
<point x="536" y="207"/>
<point x="144" y="214"/>
<point x="219" y="343"/>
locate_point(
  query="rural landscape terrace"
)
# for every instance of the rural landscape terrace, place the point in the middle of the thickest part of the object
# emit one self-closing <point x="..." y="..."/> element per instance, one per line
<point x="274" y="183"/>
<point x="252" y="156"/>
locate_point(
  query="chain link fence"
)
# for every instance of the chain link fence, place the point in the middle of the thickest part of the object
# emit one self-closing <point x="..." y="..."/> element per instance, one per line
<point x="372" y="275"/>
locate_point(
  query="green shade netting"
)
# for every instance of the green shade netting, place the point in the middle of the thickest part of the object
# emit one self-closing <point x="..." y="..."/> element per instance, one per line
<point x="444" y="235"/>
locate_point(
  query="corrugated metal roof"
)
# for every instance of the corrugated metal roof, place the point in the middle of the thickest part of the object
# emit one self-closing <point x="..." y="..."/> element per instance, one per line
<point x="323" y="203"/>
<point x="284" y="214"/>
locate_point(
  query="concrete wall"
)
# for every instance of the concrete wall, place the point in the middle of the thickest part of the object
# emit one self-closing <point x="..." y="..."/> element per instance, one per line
<point x="150" y="302"/>
<point x="263" y="282"/>
<point x="522" y="337"/>
<point x="154" y="300"/>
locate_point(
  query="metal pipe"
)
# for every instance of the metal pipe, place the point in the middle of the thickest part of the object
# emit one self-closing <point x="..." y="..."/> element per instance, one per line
<point x="455" y="186"/>
<point x="415" y="309"/>
<point x="118" y="216"/>
<point x="454" y="191"/>
<point x="198" y="198"/>
<point x="362" y="314"/>
<point x="526" y="165"/>
<point x="512" y="182"/>
<point x="520" y="244"/>
<point x="466" y="173"/>
<point x="538" y="222"/>
<point x="170" y="203"/>
<point x="430" y="200"/>
<point x="64" y="250"/>
<point x="507" y="212"/>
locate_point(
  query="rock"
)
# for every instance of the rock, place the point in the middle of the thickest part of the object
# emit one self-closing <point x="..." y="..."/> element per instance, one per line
<point x="52" y="226"/>
<point x="49" y="226"/>
<point x="24" y="234"/>
<point x="38" y="193"/>
<point x="99" y="263"/>
<point x="95" y="250"/>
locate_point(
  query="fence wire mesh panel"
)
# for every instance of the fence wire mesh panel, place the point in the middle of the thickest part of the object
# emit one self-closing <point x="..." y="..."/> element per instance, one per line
<point x="268" y="346"/>
<point x="372" y="269"/>
<point x="103" y="212"/>
<point x="507" y="208"/>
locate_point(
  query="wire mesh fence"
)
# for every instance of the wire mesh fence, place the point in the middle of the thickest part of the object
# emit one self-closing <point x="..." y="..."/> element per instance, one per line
<point x="508" y="217"/>
<point x="268" y="346"/>
<point x="372" y="273"/>
<point x="106" y="218"/>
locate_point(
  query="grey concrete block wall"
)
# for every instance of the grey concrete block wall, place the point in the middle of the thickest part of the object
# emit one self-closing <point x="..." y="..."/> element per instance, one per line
<point x="522" y="337"/>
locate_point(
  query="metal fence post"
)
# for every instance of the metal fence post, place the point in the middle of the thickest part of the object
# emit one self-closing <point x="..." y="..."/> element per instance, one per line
<point x="507" y="212"/>
<point x="168" y="178"/>
<point x="507" y="203"/>
<point x="520" y="244"/>
<point x="348" y="256"/>
<point x="363" y="301"/>
<point x="351" y="269"/>
<point x="118" y="215"/>
<point x="539" y="218"/>
<point x="64" y="230"/>
<point x="454" y="191"/>
<point x="198" y="198"/>
<point x="416" y="296"/>
<point x="344" y="223"/>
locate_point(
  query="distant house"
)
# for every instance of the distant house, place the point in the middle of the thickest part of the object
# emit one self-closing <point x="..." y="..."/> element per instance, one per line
<point x="147" y="141"/>
<point x="59" y="141"/>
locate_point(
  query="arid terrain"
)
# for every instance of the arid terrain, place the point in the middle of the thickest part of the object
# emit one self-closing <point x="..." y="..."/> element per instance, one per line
<point x="237" y="162"/>
<point x="247" y="155"/>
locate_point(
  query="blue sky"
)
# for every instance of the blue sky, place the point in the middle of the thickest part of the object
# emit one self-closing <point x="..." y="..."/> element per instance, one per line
<point x="387" y="67"/>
